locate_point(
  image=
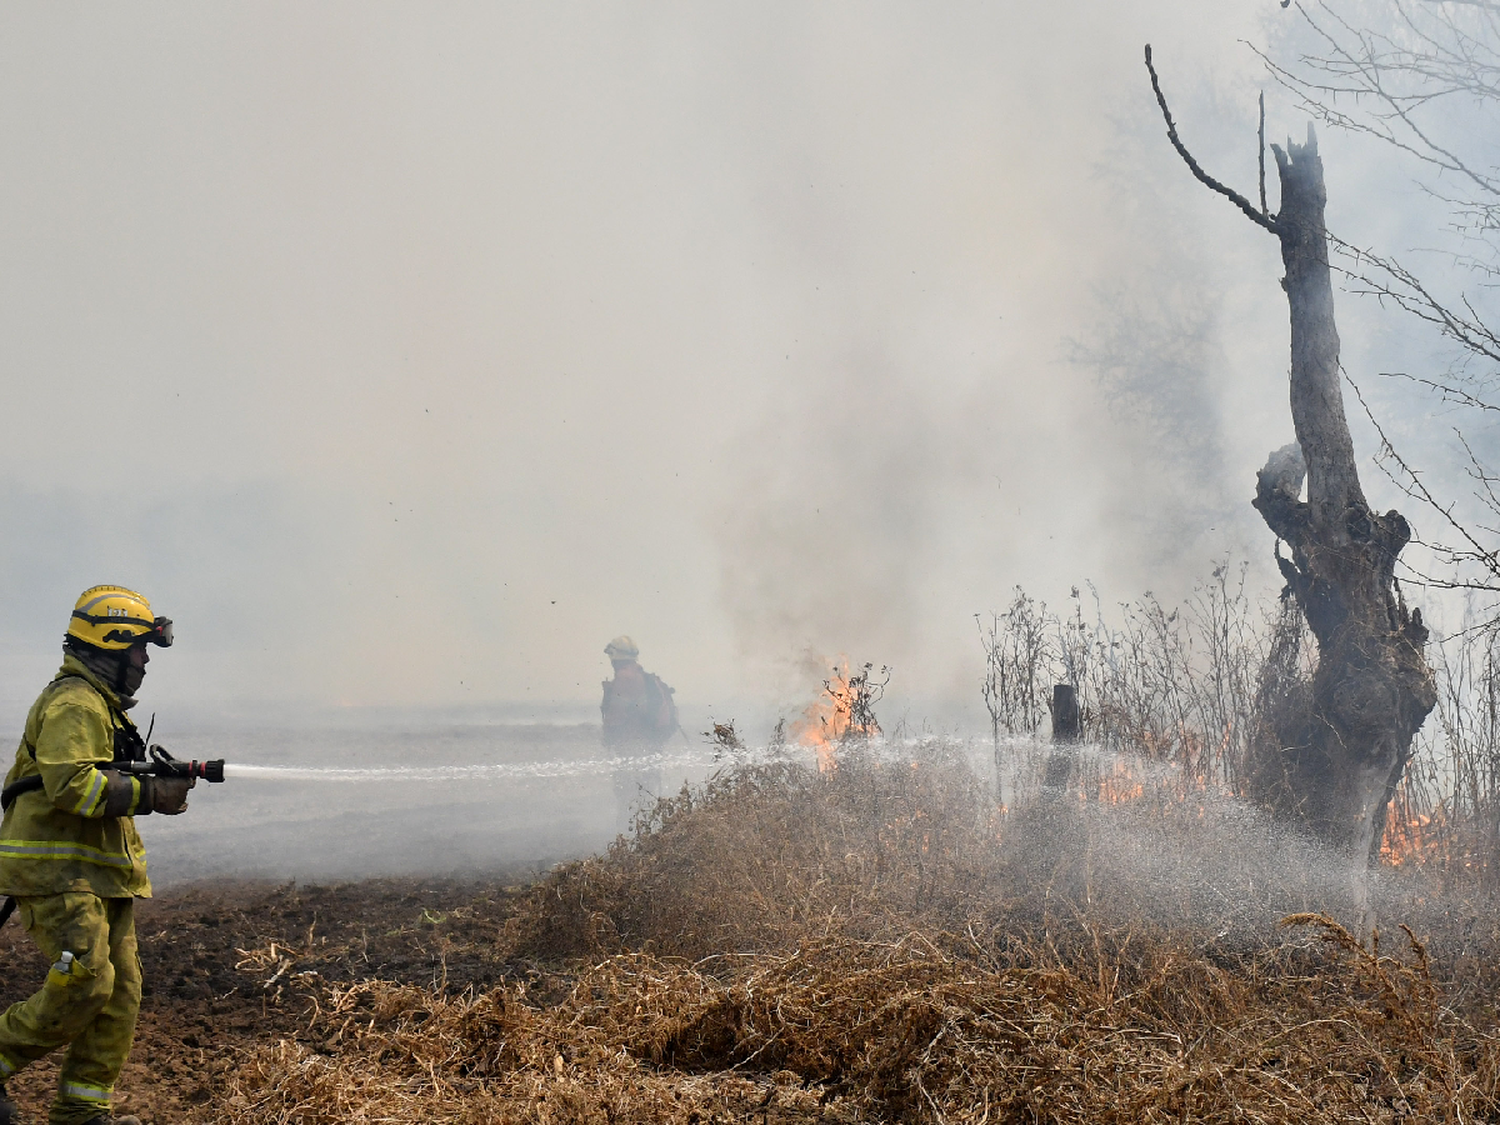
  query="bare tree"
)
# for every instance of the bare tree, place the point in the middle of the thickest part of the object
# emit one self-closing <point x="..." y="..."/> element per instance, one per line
<point x="1424" y="79"/>
<point x="1334" y="762"/>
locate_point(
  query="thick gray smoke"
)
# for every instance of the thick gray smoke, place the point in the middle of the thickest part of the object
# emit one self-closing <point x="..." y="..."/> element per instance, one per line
<point x="406" y="356"/>
<point x="449" y="345"/>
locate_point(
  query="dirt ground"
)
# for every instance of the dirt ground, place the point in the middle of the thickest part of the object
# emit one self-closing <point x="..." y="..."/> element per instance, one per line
<point x="205" y="1003"/>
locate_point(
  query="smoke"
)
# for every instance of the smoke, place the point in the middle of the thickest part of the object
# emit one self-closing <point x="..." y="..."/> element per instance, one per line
<point x="404" y="356"/>
<point x="195" y="552"/>
<point x="828" y="542"/>
<point x="1029" y="377"/>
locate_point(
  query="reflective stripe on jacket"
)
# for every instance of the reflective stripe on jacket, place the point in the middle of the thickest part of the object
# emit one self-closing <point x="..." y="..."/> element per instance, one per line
<point x="57" y="839"/>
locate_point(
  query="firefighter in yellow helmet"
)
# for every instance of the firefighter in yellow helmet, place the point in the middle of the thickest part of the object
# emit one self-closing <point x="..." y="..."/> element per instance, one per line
<point x="72" y="861"/>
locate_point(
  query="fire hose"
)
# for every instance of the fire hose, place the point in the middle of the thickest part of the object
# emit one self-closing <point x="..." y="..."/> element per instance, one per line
<point x="160" y="764"/>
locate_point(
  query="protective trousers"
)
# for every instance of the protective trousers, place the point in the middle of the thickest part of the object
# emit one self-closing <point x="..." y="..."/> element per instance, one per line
<point x="91" y="1010"/>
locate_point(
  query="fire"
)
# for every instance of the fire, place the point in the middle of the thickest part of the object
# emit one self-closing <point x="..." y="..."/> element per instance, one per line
<point x="1410" y="839"/>
<point x="840" y="713"/>
<point x="1120" y="784"/>
<point x="1414" y="837"/>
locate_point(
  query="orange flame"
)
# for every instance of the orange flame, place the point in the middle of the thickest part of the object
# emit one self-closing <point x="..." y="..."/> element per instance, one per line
<point x="829" y="719"/>
<point x="1414" y="838"/>
<point x="1120" y="784"/>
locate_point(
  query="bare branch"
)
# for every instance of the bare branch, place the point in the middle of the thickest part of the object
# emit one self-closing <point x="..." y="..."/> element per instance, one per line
<point x="1457" y="66"/>
<point x="1259" y="217"/>
<point x="1404" y="289"/>
<point x="1446" y="391"/>
<point x="1260" y="152"/>
<point x="1417" y="490"/>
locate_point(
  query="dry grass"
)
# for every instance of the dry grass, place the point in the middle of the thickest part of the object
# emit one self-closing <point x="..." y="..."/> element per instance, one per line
<point x="880" y="943"/>
<point x="933" y="1027"/>
<point x="763" y="857"/>
<point x="1178" y="685"/>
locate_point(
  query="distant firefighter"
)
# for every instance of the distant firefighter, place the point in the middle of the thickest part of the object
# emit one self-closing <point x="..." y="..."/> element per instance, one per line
<point x="639" y="717"/>
<point x="638" y="710"/>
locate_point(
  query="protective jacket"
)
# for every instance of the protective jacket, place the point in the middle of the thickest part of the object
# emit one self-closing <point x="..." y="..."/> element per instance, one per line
<point x="638" y="710"/>
<point x="56" y="839"/>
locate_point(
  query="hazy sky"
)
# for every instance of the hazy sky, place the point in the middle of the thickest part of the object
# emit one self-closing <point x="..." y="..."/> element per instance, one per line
<point x="407" y="353"/>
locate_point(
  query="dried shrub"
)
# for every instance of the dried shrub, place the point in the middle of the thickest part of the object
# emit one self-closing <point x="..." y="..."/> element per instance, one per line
<point x="1215" y="688"/>
<point x="933" y="1027"/>
<point x="1176" y="685"/>
<point x="762" y="855"/>
<point x="878" y="943"/>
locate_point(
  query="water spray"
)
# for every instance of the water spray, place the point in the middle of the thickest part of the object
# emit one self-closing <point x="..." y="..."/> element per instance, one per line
<point x="709" y="756"/>
<point x="486" y="771"/>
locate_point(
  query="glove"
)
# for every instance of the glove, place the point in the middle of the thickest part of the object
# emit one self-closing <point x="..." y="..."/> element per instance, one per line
<point x="167" y="795"/>
<point x="119" y="795"/>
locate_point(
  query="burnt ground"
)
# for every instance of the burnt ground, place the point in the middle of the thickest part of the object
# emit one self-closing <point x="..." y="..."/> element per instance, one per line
<point x="223" y="964"/>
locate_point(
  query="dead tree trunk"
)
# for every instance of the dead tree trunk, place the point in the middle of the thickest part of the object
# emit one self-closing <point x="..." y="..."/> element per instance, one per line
<point x="1340" y="748"/>
<point x="1337" y="766"/>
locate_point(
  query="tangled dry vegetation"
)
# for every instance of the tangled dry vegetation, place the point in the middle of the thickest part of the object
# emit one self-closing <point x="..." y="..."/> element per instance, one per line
<point x="1197" y="688"/>
<point x="880" y="943"/>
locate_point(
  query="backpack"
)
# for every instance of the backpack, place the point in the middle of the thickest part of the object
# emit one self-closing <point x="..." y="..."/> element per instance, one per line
<point x="661" y="710"/>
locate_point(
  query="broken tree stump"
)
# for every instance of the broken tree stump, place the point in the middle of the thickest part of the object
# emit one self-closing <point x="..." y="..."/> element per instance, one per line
<point x="1067" y="723"/>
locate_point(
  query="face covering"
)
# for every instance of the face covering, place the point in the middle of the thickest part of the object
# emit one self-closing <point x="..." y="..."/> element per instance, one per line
<point x="111" y="666"/>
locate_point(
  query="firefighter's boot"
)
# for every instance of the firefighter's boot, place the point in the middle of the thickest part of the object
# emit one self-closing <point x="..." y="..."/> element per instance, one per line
<point x="9" y="1114"/>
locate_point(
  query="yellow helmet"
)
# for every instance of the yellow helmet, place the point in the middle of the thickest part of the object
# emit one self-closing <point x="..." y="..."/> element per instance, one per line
<point x="114" y="618"/>
<point x="621" y="648"/>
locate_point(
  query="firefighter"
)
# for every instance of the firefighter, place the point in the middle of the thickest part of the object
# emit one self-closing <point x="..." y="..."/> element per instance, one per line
<point x="638" y="717"/>
<point x="72" y="861"/>
<point x="637" y="710"/>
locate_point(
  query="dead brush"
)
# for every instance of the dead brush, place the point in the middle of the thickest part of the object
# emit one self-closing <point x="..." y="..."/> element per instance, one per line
<point x="410" y="1055"/>
<point x="1177" y="685"/>
<point x="934" y="1026"/>
<point x="762" y="856"/>
<point x="1215" y="687"/>
<point x="863" y="945"/>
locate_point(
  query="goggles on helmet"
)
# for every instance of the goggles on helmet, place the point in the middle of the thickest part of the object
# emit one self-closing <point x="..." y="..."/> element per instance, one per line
<point x="136" y="630"/>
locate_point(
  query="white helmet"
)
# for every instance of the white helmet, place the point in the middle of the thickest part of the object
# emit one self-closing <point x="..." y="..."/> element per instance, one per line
<point x="621" y="648"/>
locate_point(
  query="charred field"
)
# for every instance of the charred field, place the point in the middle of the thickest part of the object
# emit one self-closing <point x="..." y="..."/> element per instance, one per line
<point x="878" y="941"/>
